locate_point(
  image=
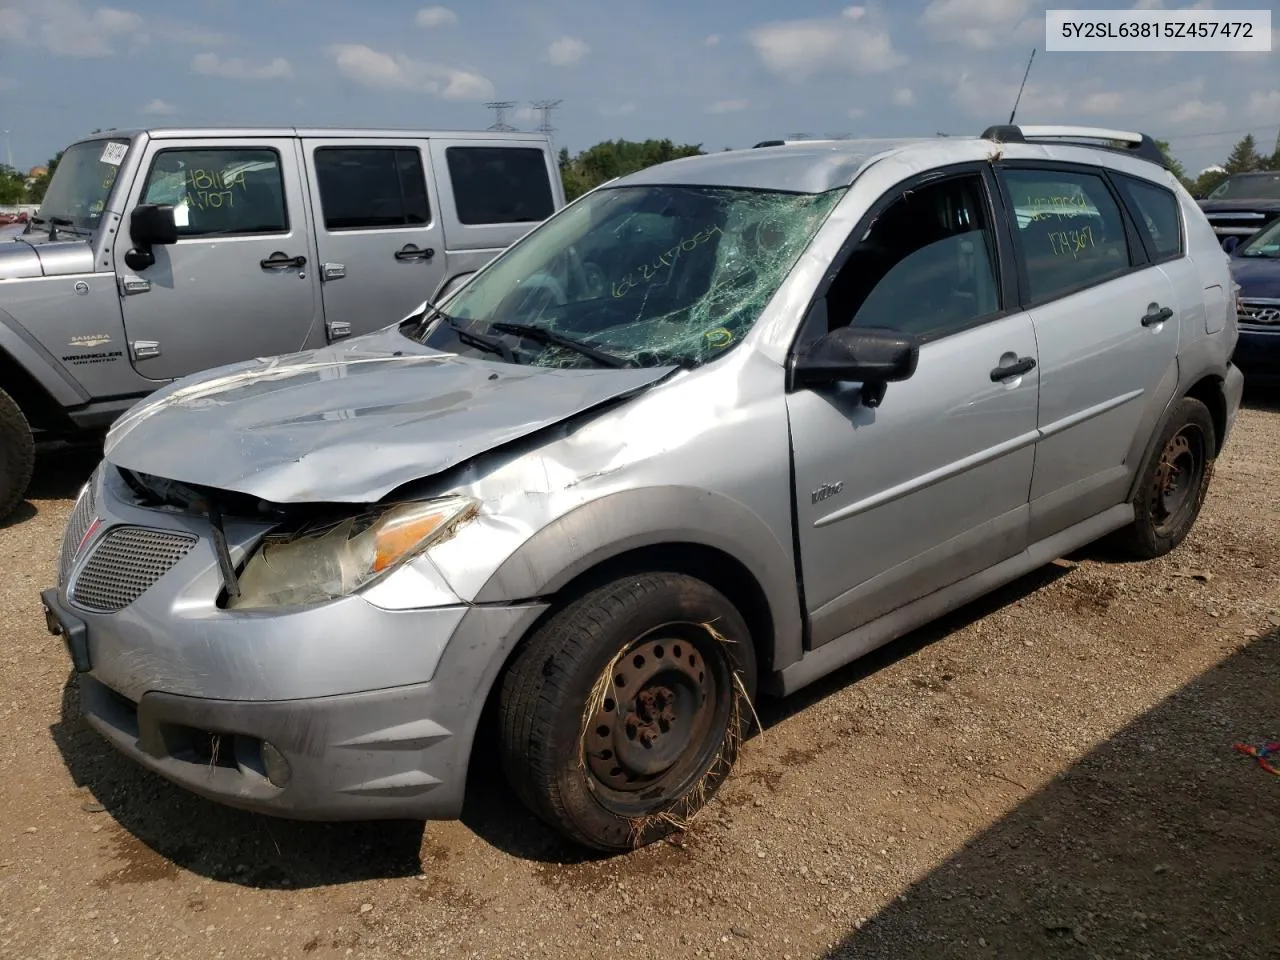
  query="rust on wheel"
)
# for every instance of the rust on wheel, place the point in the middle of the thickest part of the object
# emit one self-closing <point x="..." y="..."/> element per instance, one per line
<point x="660" y="721"/>
<point x="1178" y="477"/>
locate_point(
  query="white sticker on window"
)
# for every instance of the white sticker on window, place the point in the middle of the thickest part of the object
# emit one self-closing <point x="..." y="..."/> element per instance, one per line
<point x="113" y="153"/>
<point x="182" y="215"/>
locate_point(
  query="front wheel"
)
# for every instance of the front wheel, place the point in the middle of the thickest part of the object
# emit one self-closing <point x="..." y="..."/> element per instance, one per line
<point x="624" y="712"/>
<point x="17" y="455"/>
<point x="1175" y="482"/>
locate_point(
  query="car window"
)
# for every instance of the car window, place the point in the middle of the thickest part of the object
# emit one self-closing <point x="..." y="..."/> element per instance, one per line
<point x="1069" y="228"/>
<point x="500" y="184"/>
<point x="1156" y="211"/>
<point x="926" y="266"/>
<point x="220" y="190"/>
<point x="370" y="187"/>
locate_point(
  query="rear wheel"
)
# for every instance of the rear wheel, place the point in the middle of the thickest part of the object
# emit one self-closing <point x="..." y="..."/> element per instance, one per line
<point x="1174" y="484"/>
<point x="17" y="455"/>
<point x="624" y="712"/>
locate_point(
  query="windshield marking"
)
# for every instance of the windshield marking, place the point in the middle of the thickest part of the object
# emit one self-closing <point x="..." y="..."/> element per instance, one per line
<point x="624" y="286"/>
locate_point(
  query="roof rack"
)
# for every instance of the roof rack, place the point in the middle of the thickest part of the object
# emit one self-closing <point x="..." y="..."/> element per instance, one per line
<point x="1120" y="141"/>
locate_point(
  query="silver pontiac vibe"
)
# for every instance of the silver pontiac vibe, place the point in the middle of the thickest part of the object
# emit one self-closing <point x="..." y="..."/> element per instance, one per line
<point x="715" y="429"/>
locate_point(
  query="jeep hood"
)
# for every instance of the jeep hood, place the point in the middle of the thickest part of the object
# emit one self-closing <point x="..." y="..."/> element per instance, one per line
<point x="349" y="423"/>
<point x="22" y="258"/>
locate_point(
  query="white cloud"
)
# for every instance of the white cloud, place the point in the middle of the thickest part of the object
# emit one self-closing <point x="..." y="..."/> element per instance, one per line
<point x="855" y="113"/>
<point x="68" y="28"/>
<point x="1194" y="111"/>
<point x="566" y="50"/>
<point x="429" y="17"/>
<point x="728" y="106"/>
<point x="1264" y="105"/>
<point x="712" y="41"/>
<point x="159" y="108"/>
<point x="395" y="71"/>
<point x="798" y="49"/>
<point x="904" y="97"/>
<point x="526" y="114"/>
<point x="235" y="68"/>
<point x="980" y="24"/>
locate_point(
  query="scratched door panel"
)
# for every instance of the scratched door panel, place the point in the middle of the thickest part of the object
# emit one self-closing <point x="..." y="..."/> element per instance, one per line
<point x="1102" y="369"/>
<point x="930" y="487"/>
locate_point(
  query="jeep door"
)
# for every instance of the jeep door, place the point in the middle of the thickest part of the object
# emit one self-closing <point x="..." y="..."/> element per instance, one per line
<point x="239" y="283"/>
<point x="378" y="234"/>
<point x="897" y="501"/>
<point x="1107" y="323"/>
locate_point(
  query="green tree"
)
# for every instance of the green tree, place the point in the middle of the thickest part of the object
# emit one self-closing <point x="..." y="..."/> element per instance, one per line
<point x="35" y="192"/>
<point x="1170" y="161"/>
<point x="13" y="185"/>
<point x="1244" y="156"/>
<point x="616" y="158"/>
<point x="1204" y="183"/>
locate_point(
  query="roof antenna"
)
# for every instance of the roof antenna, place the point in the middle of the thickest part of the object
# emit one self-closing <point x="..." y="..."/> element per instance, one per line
<point x="1020" y="89"/>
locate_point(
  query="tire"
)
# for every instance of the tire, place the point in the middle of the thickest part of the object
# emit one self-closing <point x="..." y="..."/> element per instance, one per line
<point x="17" y="455"/>
<point x="623" y="713"/>
<point x="1174" y="483"/>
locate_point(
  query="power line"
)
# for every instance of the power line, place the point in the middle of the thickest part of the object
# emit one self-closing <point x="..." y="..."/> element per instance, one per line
<point x="500" y="108"/>
<point x="544" y="107"/>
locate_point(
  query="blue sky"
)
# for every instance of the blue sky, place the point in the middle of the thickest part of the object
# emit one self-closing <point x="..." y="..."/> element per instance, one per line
<point x="717" y="72"/>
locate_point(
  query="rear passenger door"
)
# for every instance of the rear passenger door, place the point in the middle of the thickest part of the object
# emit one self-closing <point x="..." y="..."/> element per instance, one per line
<point x="1106" y="322"/>
<point x="493" y="192"/>
<point x="378" y="237"/>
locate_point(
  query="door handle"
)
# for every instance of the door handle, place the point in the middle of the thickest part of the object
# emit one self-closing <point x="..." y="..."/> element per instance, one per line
<point x="1156" y="314"/>
<point x="1014" y="369"/>
<point x="280" y="260"/>
<point x="410" y="252"/>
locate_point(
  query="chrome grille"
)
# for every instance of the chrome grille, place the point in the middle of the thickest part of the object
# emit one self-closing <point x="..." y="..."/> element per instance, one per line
<point x="1266" y="314"/>
<point x="125" y="562"/>
<point x="77" y="527"/>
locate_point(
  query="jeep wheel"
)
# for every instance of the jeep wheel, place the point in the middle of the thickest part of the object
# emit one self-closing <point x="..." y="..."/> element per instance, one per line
<point x="1174" y="484"/>
<point x="624" y="712"/>
<point x="17" y="455"/>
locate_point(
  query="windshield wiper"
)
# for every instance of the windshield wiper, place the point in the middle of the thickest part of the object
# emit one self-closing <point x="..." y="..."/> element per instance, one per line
<point x="477" y="340"/>
<point x="545" y="336"/>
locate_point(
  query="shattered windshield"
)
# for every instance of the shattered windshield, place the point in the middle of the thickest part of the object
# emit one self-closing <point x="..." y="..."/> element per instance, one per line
<point x="82" y="183"/>
<point x="636" y="276"/>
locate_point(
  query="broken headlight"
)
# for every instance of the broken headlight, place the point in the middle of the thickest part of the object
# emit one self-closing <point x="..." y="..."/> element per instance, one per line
<point x="325" y="561"/>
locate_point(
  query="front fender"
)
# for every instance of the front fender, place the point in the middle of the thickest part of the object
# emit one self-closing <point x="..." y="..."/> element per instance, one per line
<point x="38" y="363"/>
<point x="621" y="522"/>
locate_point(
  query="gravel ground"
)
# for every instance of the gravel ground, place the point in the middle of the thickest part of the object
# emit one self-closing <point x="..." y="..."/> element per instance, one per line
<point x="1047" y="773"/>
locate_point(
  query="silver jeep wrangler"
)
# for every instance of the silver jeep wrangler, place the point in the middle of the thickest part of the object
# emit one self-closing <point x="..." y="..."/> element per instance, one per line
<point x="718" y="427"/>
<point x="159" y="253"/>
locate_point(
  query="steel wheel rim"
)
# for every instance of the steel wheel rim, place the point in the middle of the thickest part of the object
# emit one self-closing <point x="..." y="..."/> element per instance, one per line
<point x="653" y="735"/>
<point x="1178" y="476"/>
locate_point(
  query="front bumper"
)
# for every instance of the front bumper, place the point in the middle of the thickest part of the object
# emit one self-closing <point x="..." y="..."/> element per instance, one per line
<point x="340" y="711"/>
<point x="1257" y="354"/>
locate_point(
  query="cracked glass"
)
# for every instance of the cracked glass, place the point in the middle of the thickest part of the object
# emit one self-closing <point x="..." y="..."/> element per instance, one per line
<point x="646" y="276"/>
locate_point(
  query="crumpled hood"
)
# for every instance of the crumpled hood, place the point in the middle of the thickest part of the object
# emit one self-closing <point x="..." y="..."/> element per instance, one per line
<point x="349" y="423"/>
<point x="1257" y="276"/>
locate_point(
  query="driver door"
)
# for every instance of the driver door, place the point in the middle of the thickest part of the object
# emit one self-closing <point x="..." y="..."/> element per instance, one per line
<point x="897" y="501"/>
<point x="239" y="283"/>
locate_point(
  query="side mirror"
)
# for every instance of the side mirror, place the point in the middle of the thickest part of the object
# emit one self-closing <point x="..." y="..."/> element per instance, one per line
<point x="876" y="356"/>
<point x="1230" y="244"/>
<point x="150" y="224"/>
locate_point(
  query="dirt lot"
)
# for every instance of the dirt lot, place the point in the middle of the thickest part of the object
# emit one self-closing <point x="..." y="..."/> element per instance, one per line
<point x="1048" y="773"/>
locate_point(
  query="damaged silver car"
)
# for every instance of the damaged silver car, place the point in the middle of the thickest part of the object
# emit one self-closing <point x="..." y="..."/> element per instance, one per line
<point x="716" y="428"/>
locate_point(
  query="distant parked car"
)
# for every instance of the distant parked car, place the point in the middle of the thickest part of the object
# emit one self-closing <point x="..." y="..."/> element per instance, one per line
<point x="159" y="253"/>
<point x="1243" y="204"/>
<point x="1255" y="265"/>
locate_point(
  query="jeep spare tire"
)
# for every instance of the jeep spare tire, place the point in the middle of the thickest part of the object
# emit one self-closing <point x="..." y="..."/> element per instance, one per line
<point x="17" y="455"/>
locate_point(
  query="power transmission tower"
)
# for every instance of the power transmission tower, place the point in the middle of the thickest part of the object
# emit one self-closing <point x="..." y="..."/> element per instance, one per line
<point x="500" y="108"/>
<point x="544" y="107"/>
